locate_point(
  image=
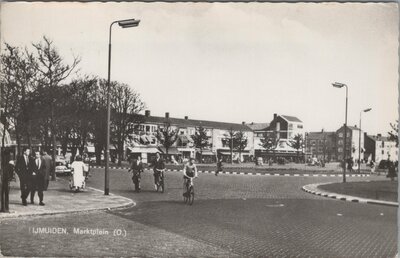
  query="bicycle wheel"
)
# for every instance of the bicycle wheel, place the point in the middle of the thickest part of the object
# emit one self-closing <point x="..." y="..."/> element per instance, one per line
<point x="191" y="195"/>
<point x="162" y="186"/>
<point x="185" y="198"/>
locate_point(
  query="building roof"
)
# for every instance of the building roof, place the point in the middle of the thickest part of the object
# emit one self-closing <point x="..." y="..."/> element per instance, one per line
<point x="291" y="119"/>
<point x="258" y="126"/>
<point x="353" y="128"/>
<point x="192" y="123"/>
<point x="379" y="138"/>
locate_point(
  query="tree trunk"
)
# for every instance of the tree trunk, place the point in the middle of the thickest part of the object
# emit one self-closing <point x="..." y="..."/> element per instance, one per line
<point x="53" y="136"/>
<point x="231" y="150"/>
<point x="18" y="139"/>
<point x="98" y="149"/>
<point x="120" y="153"/>
<point x="28" y="135"/>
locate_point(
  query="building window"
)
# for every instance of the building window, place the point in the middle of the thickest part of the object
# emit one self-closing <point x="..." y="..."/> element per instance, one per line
<point x="300" y="126"/>
<point x="290" y="127"/>
<point x="383" y="144"/>
<point x="340" y="134"/>
<point x="383" y="152"/>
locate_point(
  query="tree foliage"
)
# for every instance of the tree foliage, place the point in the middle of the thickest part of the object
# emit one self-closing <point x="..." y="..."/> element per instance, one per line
<point x="201" y="140"/>
<point x="393" y="134"/>
<point x="167" y="136"/>
<point x="297" y="143"/>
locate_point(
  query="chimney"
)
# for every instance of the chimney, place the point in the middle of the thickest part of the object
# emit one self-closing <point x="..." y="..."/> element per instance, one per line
<point x="147" y="113"/>
<point x="275" y="116"/>
<point x="252" y="123"/>
<point x="379" y="135"/>
<point x="166" y="114"/>
<point x="243" y="123"/>
<point x="186" y="117"/>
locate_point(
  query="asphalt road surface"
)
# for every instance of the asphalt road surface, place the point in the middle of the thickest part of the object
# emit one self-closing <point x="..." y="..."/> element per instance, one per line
<point x="232" y="216"/>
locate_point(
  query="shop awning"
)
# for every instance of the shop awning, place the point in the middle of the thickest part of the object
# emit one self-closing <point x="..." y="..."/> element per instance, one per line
<point x="171" y="150"/>
<point x="185" y="149"/>
<point x="143" y="150"/>
<point x="207" y="153"/>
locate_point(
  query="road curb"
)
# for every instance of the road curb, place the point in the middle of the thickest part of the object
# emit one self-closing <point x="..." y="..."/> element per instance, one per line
<point x="258" y="173"/>
<point x="313" y="189"/>
<point x="129" y="203"/>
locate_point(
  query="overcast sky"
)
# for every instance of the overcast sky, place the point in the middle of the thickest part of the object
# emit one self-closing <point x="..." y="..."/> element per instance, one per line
<point x="233" y="62"/>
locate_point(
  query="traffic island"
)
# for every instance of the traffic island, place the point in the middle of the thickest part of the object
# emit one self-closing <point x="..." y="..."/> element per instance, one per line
<point x="373" y="192"/>
<point x="60" y="199"/>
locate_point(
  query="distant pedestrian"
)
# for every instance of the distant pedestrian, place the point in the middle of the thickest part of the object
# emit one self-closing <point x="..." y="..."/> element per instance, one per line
<point x="219" y="166"/>
<point x="372" y="165"/>
<point x="37" y="184"/>
<point x="350" y="164"/>
<point x="48" y="161"/>
<point x="391" y="171"/>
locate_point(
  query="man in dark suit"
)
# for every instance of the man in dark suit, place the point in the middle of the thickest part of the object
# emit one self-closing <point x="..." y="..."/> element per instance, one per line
<point x="38" y="168"/>
<point x="22" y="169"/>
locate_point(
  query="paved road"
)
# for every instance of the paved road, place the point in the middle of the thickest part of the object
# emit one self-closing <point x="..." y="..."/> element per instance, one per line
<point x="233" y="215"/>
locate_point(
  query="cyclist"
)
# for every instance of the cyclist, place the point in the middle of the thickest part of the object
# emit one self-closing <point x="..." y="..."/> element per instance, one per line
<point x="189" y="172"/>
<point x="136" y="169"/>
<point x="158" y="168"/>
<point x="219" y="166"/>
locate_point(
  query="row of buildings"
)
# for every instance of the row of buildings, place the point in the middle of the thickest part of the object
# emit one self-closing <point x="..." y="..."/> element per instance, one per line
<point x="328" y="146"/>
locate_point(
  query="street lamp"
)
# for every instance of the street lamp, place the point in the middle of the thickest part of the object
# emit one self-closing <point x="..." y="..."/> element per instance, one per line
<point x="124" y="24"/>
<point x="341" y="85"/>
<point x="359" y="140"/>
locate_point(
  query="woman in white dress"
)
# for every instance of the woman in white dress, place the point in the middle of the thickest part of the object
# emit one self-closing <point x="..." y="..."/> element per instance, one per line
<point x="78" y="168"/>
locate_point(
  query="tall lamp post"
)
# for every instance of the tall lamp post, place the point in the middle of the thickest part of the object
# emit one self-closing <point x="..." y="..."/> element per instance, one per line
<point x="124" y="24"/>
<point x="359" y="140"/>
<point x="341" y="85"/>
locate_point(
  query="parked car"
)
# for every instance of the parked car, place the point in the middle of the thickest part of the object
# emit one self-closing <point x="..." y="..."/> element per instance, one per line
<point x="62" y="168"/>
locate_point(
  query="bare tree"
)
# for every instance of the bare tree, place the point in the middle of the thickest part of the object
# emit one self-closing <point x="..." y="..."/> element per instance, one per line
<point x="52" y="70"/>
<point x="18" y="78"/>
<point x="126" y="104"/>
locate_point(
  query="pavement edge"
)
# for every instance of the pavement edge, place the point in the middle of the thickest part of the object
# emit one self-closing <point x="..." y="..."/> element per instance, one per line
<point x="313" y="189"/>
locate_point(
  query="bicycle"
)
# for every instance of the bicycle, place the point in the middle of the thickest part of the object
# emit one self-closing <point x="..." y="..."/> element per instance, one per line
<point x="160" y="180"/>
<point x="188" y="191"/>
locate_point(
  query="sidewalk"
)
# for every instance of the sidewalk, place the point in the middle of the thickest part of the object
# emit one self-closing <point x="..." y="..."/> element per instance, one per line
<point x="60" y="199"/>
<point x="344" y="196"/>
